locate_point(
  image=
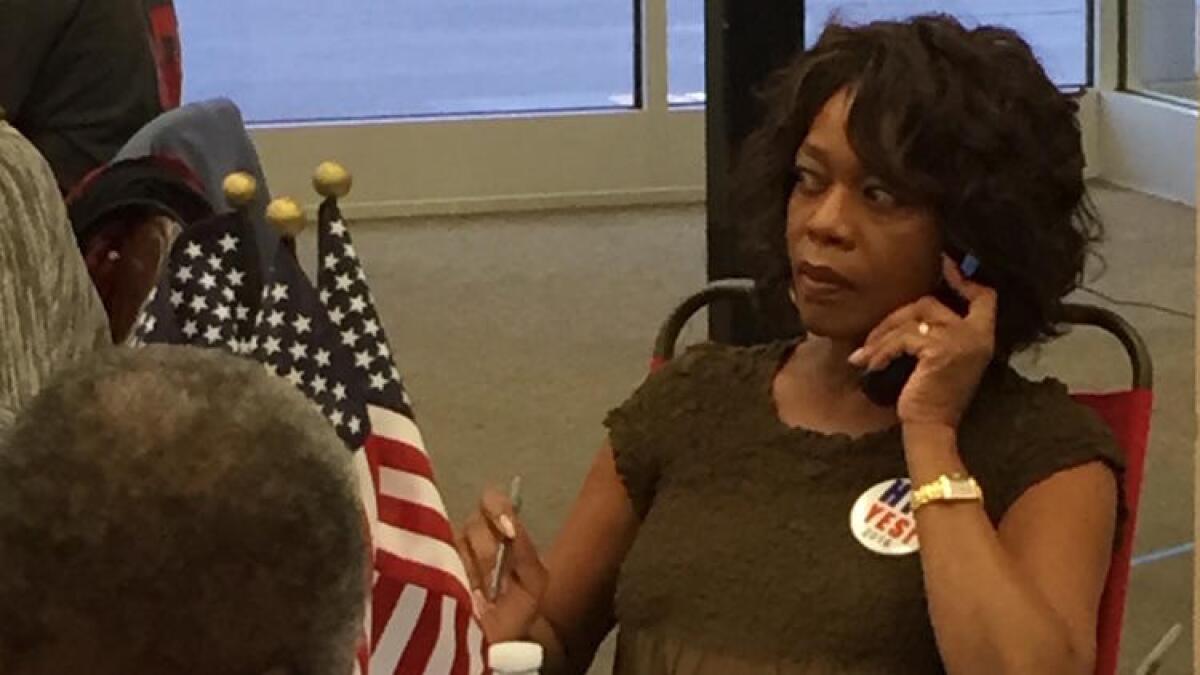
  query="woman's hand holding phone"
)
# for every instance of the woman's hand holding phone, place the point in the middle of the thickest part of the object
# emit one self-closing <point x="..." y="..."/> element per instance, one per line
<point x="952" y="351"/>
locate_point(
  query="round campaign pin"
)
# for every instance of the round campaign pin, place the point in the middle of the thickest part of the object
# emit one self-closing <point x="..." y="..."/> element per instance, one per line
<point x="882" y="518"/>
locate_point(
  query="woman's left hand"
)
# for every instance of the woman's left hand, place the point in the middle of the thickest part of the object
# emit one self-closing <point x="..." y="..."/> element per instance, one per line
<point x="952" y="352"/>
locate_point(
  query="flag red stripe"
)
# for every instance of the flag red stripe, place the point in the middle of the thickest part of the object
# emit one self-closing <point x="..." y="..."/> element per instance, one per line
<point x="372" y="462"/>
<point x="424" y="638"/>
<point x="462" y="622"/>
<point x="384" y="597"/>
<point x="389" y="452"/>
<point x="415" y="518"/>
<point x="396" y="571"/>
<point x="431" y="578"/>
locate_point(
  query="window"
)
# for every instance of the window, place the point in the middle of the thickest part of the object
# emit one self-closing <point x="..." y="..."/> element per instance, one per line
<point x="1161" y="53"/>
<point x="685" y="51"/>
<point x="1058" y="30"/>
<point x="307" y="60"/>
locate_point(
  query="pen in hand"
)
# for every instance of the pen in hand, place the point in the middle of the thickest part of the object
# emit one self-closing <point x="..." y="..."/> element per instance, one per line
<point x="514" y="496"/>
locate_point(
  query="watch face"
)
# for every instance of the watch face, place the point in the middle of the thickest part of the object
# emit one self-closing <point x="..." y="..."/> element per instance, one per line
<point x="962" y="490"/>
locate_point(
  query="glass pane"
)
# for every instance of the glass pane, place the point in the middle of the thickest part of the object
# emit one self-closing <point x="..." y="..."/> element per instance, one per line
<point x="1056" y="29"/>
<point x="300" y="60"/>
<point x="685" y="51"/>
<point x="1162" y="56"/>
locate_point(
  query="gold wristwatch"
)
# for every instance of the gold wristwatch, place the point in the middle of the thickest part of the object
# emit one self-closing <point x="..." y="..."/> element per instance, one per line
<point x="948" y="488"/>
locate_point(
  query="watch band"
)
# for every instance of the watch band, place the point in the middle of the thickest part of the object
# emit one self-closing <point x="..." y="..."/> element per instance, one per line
<point x="947" y="488"/>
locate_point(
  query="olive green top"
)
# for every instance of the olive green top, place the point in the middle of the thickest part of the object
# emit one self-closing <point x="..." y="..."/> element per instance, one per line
<point x="745" y="562"/>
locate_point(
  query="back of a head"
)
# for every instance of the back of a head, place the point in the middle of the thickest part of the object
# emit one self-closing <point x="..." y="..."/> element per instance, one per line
<point x="176" y="510"/>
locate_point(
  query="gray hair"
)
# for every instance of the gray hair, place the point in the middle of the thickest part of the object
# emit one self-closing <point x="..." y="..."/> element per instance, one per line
<point x="197" y="514"/>
<point x="50" y="312"/>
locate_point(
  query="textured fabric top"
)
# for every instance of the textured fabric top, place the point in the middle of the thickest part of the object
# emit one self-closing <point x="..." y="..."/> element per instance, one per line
<point x="50" y="313"/>
<point x="745" y="562"/>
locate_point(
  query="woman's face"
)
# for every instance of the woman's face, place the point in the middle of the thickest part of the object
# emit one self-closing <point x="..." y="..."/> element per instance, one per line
<point x="857" y="253"/>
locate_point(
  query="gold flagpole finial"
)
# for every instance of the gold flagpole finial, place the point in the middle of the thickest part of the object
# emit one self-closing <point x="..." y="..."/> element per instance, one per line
<point x="240" y="189"/>
<point x="332" y="180"/>
<point x="287" y="216"/>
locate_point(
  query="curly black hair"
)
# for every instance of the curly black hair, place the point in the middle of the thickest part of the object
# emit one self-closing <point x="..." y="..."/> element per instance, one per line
<point x="963" y="121"/>
<point x="186" y="510"/>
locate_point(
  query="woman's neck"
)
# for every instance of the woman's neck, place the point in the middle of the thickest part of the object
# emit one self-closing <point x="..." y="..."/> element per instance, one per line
<point x="819" y="389"/>
<point x="827" y="361"/>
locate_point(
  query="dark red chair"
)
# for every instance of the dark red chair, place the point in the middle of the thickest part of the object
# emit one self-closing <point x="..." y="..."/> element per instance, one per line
<point x="1127" y="413"/>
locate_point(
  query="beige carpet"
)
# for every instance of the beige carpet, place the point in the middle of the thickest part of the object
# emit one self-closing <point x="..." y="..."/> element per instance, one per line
<point x="517" y="333"/>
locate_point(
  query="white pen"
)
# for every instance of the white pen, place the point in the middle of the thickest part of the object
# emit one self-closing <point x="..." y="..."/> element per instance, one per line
<point x="514" y="496"/>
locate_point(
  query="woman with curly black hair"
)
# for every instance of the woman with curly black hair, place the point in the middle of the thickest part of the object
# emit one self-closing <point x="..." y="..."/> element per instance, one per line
<point x="754" y="509"/>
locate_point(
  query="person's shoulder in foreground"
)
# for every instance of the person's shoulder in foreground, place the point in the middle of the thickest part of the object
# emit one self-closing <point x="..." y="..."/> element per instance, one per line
<point x="49" y="307"/>
<point x="177" y="510"/>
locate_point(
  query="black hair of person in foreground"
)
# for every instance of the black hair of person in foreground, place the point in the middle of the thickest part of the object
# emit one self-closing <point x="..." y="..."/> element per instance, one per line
<point x="171" y="509"/>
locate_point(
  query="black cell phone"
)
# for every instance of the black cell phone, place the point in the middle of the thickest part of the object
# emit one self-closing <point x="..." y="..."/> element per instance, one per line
<point x="883" y="386"/>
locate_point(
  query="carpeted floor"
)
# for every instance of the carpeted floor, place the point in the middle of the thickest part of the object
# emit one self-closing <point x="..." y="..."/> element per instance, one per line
<point x="517" y="332"/>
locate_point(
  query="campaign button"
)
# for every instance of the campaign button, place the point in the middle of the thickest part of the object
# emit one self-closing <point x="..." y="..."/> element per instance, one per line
<point x="882" y="518"/>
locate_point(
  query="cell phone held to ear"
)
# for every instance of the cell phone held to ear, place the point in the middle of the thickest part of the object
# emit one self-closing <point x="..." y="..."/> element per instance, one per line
<point x="882" y="387"/>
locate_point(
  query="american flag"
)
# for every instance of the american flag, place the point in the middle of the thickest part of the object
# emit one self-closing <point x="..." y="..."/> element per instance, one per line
<point x="421" y="620"/>
<point x="330" y="344"/>
<point x="293" y="339"/>
<point x="347" y="298"/>
<point x="208" y="292"/>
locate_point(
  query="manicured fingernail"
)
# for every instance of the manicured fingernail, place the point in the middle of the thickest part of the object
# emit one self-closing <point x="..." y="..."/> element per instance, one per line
<point x="856" y="358"/>
<point x="478" y="602"/>
<point x="506" y="526"/>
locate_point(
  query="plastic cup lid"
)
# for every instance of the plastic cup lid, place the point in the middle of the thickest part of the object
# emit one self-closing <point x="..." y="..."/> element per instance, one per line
<point x="515" y="656"/>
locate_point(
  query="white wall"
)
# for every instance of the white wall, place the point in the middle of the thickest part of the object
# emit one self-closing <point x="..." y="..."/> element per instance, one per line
<point x="1147" y="145"/>
<point x="526" y="162"/>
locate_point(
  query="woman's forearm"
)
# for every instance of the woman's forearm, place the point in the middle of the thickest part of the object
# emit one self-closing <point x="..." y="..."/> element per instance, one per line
<point x="988" y="618"/>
